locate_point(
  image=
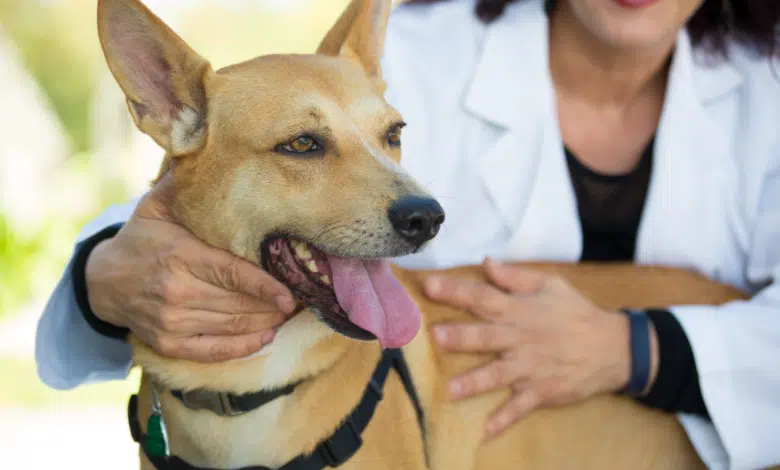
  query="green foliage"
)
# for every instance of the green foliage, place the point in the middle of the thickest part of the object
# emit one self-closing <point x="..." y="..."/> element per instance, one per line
<point x="18" y="257"/>
<point x="24" y="388"/>
<point x="58" y="44"/>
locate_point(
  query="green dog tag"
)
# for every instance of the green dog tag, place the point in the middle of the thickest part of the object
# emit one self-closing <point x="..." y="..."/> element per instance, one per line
<point x="155" y="438"/>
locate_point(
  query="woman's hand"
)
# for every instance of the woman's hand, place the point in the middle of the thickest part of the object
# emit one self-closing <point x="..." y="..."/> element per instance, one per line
<point x="556" y="347"/>
<point x="180" y="296"/>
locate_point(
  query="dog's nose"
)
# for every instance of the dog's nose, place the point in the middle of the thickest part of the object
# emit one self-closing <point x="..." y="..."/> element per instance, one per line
<point x="417" y="219"/>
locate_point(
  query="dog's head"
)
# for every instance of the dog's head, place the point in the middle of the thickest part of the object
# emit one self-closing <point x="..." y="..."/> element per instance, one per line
<point x="290" y="161"/>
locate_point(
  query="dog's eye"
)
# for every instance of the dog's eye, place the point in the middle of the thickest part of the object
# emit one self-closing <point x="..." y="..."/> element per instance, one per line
<point x="394" y="135"/>
<point x="302" y="144"/>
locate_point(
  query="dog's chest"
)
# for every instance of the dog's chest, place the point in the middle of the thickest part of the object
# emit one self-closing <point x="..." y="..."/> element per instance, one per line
<point x="211" y="441"/>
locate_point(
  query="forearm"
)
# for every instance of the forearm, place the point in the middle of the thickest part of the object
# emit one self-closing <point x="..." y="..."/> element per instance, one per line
<point x="68" y="351"/>
<point x="79" y="273"/>
<point x="674" y="383"/>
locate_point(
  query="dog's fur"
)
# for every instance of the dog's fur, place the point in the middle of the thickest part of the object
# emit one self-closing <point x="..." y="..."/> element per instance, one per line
<point x="231" y="188"/>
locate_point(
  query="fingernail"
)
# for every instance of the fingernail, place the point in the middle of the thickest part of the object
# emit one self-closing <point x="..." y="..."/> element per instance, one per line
<point x="285" y="303"/>
<point x="433" y="285"/>
<point x="268" y="336"/>
<point x="456" y="389"/>
<point x="440" y="333"/>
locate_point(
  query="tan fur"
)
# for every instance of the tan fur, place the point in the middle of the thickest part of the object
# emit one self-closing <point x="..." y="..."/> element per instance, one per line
<point x="231" y="188"/>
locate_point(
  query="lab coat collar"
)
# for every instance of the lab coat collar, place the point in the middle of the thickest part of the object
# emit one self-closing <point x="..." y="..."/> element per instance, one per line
<point x="512" y="73"/>
<point x="524" y="170"/>
<point x="690" y="166"/>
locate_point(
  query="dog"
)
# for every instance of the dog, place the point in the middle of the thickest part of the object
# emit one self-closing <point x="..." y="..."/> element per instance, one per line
<point x="292" y="162"/>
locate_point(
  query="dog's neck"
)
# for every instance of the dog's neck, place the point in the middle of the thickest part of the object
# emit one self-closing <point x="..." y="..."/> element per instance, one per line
<point x="280" y="430"/>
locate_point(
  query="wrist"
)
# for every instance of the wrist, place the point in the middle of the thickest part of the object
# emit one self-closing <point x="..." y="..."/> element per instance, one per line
<point x="87" y="287"/>
<point x="654" y="359"/>
<point x="617" y="333"/>
<point x="642" y="353"/>
<point x="94" y="272"/>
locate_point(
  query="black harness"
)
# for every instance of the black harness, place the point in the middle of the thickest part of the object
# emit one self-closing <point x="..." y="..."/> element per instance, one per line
<point x="331" y="452"/>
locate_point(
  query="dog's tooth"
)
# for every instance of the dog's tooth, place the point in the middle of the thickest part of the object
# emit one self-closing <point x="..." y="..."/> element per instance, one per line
<point x="302" y="251"/>
<point x="312" y="266"/>
<point x="326" y="280"/>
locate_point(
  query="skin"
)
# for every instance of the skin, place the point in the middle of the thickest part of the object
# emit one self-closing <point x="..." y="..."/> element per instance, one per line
<point x="609" y="66"/>
<point x="199" y="302"/>
<point x="609" y="70"/>
<point x="235" y="184"/>
<point x="211" y="302"/>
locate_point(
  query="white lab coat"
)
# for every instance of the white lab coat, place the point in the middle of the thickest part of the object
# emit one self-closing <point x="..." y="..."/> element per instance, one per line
<point x="483" y="137"/>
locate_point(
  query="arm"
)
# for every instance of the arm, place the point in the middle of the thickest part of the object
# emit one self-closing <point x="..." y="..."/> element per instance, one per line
<point x="183" y="298"/>
<point x="674" y="380"/>
<point x="68" y="351"/>
<point x="737" y="352"/>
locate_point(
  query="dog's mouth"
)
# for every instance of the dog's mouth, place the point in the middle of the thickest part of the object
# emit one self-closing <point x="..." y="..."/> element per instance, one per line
<point x="359" y="298"/>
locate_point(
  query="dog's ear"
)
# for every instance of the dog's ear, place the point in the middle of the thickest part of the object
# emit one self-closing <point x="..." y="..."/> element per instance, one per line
<point x="359" y="34"/>
<point x="161" y="76"/>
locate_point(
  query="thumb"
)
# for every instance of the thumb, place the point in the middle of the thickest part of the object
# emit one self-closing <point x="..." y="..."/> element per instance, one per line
<point x="513" y="279"/>
<point x="235" y="274"/>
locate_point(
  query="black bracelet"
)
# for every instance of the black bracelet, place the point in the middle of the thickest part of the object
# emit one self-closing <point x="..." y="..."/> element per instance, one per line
<point x="676" y="388"/>
<point x="78" y="274"/>
<point x="641" y="354"/>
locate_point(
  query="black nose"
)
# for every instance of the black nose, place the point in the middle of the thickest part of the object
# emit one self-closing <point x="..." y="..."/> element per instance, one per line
<point x="416" y="219"/>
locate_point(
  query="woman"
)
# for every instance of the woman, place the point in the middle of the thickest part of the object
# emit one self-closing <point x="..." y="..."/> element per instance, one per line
<point x="642" y="130"/>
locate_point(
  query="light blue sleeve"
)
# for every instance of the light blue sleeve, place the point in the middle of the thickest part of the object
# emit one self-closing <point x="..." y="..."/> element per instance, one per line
<point x="68" y="352"/>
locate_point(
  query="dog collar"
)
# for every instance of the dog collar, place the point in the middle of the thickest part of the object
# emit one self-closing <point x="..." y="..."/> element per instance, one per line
<point x="228" y="404"/>
<point x="331" y="452"/>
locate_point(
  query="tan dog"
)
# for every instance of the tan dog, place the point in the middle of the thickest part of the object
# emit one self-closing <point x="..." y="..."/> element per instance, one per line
<point x="291" y="161"/>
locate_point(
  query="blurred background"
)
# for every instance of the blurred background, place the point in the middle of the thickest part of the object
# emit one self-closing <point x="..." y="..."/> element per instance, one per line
<point x="68" y="149"/>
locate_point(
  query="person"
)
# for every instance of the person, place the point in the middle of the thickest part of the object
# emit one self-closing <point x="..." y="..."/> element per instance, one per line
<point x="571" y="130"/>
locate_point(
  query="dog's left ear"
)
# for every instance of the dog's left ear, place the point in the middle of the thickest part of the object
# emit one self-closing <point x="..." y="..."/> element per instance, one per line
<point x="359" y="34"/>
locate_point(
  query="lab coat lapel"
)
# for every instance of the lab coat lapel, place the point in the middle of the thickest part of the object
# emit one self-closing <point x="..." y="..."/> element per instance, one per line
<point x="524" y="172"/>
<point x="685" y="201"/>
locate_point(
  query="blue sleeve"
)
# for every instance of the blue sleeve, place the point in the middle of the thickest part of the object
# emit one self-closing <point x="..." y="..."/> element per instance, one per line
<point x="68" y="351"/>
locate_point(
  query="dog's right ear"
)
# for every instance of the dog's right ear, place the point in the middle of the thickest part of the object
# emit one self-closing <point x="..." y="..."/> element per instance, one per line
<point x="161" y="76"/>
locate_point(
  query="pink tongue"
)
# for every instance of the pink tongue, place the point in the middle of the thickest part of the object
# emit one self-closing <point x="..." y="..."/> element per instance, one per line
<point x="374" y="300"/>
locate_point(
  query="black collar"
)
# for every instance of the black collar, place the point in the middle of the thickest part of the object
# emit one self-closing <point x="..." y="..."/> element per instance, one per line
<point x="331" y="452"/>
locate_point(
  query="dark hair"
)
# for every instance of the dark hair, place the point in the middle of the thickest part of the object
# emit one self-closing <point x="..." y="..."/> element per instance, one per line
<point x="753" y="23"/>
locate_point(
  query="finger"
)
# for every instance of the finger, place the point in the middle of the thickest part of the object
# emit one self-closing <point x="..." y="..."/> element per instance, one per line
<point x="517" y="407"/>
<point x="232" y="273"/>
<point x="205" y="296"/>
<point x="497" y="374"/>
<point x="203" y="322"/>
<point x="478" y="297"/>
<point x="475" y="337"/>
<point x="513" y="278"/>
<point x="211" y="349"/>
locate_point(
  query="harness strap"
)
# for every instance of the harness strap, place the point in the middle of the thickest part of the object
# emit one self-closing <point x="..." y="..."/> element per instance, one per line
<point x="406" y="378"/>
<point x="332" y="452"/>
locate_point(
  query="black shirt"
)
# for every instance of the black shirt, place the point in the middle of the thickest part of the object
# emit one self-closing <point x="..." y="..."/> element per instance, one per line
<point x="610" y="209"/>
